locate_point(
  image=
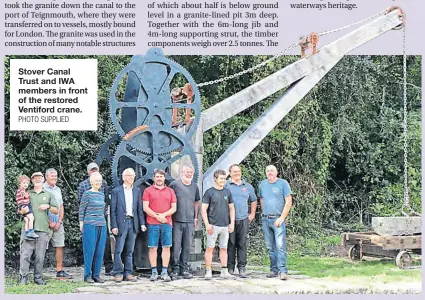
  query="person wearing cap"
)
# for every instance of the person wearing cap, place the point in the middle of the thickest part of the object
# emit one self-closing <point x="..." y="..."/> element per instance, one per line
<point x="58" y="234"/>
<point x="42" y="202"/>
<point x="159" y="203"/>
<point x="85" y="186"/>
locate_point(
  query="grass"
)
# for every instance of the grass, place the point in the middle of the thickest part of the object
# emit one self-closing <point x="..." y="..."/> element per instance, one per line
<point x="320" y="267"/>
<point x="308" y="256"/>
<point x="53" y="286"/>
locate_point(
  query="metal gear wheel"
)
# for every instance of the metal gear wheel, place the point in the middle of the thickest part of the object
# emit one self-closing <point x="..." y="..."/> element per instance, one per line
<point x="159" y="158"/>
<point x="148" y="93"/>
<point x="104" y="151"/>
<point x="145" y="119"/>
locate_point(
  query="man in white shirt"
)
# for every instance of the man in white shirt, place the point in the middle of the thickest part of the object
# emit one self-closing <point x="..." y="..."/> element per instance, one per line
<point x="127" y="219"/>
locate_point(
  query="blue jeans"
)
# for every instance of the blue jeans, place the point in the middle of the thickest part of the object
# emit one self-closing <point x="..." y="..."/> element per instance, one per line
<point x="275" y="238"/>
<point x="94" y="238"/>
<point x="127" y="239"/>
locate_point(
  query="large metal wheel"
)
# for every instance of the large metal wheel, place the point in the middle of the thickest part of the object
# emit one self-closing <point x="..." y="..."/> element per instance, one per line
<point x="354" y="253"/>
<point x="403" y="260"/>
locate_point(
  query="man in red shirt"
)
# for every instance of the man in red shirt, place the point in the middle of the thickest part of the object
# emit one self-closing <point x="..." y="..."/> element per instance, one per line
<point x="159" y="203"/>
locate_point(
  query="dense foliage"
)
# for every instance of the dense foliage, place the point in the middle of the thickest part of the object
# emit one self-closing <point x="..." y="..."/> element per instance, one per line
<point x="340" y="148"/>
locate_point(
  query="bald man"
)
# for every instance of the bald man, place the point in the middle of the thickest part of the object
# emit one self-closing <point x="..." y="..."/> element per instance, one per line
<point x="276" y="202"/>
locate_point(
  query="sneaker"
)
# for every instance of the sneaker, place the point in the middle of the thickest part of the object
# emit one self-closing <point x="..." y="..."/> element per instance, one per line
<point x="98" y="280"/>
<point x="118" y="278"/>
<point x="130" y="278"/>
<point x="39" y="281"/>
<point x="208" y="274"/>
<point x="165" y="277"/>
<point x="174" y="276"/>
<point x="153" y="277"/>
<point x="88" y="280"/>
<point x="109" y="273"/>
<point x="32" y="235"/>
<point x="242" y="272"/>
<point x="23" y="279"/>
<point x="272" y="275"/>
<point x="226" y="275"/>
<point x="187" y="275"/>
<point x="27" y="237"/>
<point x="63" y="275"/>
<point x="283" y="276"/>
<point x="231" y="271"/>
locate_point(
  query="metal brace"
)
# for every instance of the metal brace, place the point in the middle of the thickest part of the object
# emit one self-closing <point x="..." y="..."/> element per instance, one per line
<point x="178" y="94"/>
<point x="309" y="41"/>
<point x="401" y="15"/>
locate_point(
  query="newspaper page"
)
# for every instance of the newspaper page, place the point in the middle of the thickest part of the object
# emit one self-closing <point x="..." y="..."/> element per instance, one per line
<point x="211" y="147"/>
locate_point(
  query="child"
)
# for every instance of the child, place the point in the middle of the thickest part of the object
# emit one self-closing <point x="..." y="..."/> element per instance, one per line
<point x="23" y="200"/>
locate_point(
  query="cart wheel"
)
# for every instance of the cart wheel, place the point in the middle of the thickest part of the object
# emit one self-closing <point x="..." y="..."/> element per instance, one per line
<point x="403" y="260"/>
<point x="354" y="253"/>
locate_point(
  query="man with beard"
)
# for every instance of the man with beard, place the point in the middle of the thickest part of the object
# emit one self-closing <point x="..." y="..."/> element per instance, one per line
<point x="184" y="221"/>
<point x="58" y="233"/>
<point x="242" y="194"/>
<point x="159" y="203"/>
<point x="41" y="201"/>
<point x="276" y="201"/>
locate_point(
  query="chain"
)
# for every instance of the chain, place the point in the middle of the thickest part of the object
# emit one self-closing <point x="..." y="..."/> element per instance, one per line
<point x="283" y="52"/>
<point x="353" y="24"/>
<point x="406" y="188"/>
<point x="248" y="70"/>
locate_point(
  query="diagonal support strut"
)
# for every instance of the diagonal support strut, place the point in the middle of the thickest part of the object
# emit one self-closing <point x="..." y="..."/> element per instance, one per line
<point x="297" y="70"/>
<point x="266" y="122"/>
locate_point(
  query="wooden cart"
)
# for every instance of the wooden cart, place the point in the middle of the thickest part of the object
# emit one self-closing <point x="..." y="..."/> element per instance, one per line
<point x="371" y="244"/>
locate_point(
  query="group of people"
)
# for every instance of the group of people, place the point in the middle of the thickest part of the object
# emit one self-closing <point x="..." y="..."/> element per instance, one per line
<point x="169" y="214"/>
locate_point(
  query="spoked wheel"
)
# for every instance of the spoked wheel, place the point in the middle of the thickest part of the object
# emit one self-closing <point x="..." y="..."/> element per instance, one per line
<point x="354" y="253"/>
<point x="403" y="260"/>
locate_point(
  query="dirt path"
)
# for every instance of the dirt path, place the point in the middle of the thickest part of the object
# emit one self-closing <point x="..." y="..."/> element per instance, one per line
<point x="257" y="283"/>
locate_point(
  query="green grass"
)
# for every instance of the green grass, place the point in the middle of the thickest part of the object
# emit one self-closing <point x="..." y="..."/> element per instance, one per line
<point x="52" y="286"/>
<point x="320" y="267"/>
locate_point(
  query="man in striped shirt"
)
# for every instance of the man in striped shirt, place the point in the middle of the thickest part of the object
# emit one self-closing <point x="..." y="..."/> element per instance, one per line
<point x="85" y="186"/>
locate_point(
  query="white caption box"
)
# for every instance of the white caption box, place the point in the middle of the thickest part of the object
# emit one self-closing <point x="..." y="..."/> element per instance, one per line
<point x="53" y="94"/>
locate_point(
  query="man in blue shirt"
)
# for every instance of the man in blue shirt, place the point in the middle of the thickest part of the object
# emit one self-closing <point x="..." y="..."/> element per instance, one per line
<point x="276" y="201"/>
<point x="242" y="194"/>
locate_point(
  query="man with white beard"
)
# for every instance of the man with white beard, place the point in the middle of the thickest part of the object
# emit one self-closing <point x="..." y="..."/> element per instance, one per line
<point x="185" y="220"/>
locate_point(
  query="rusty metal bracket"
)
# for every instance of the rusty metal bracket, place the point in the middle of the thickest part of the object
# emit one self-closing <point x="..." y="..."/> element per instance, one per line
<point x="132" y="132"/>
<point x="309" y="41"/>
<point x="401" y="15"/>
<point x="177" y="95"/>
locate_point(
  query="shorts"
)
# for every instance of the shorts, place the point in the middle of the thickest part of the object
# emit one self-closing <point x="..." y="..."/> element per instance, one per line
<point x="57" y="238"/>
<point x="222" y="233"/>
<point x="29" y="208"/>
<point x="157" y="231"/>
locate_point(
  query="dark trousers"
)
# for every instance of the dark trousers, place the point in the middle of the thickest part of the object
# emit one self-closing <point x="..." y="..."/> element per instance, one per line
<point x="182" y="242"/>
<point x="93" y="249"/>
<point x="237" y="244"/>
<point x="27" y="248"/>
<point x="127" y="239"/>
<point x="107" y="257"/>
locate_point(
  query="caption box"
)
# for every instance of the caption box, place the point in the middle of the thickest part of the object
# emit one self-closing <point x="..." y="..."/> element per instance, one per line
<point x="53" y="94"/>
